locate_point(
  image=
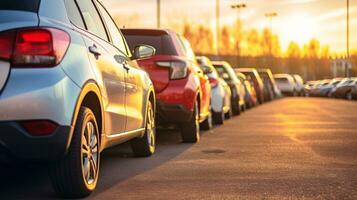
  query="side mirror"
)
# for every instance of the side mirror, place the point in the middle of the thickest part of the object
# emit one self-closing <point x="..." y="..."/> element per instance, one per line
<point x="207" y="70"/>
<point x="143" y="51"/>
<point x="225" y="76"/>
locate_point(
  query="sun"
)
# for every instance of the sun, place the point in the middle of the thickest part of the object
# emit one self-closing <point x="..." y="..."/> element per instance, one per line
<point x="299" y="28"/>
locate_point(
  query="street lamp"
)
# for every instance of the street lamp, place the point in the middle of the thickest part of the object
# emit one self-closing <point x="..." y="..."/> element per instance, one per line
<point x="238" y="7"/>
<point x="218" y="31"/>
<point x="270" y="16"/>
<point x="158" y="13"/>
<point x="348" y="74"/>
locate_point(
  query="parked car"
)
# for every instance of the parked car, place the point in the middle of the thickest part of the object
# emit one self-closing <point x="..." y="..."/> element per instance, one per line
<point x="343" y="89"/>
<point x="316" y="90"/>
<point x="299" y="81"/>
<point x="286" y="84"/>
<point x="73" y="91"/>
<point x="309" y="86"/>
<point x="226" y="72"/>
<point x="257" y="82"/>
<point x="326" y="88"/>
<point x="271" y="90"/>
<point x="183" y="91"/>
<point x="221" y="93"/>
<point x="353" y="94"/>
<point x="250" y="95"/>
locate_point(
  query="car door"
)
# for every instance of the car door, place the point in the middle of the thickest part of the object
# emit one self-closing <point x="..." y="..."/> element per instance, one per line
<point x="134" y="89"/>
<point x="107" y="68"/>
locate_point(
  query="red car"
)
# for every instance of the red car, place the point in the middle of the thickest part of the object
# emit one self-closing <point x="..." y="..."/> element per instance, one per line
<point x="183" y="92"/>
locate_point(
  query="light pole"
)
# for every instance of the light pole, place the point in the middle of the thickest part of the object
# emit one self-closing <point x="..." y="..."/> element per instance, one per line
<point x="348" y="72"/>
<point x="270" y="17"/>
<point x="238" y="7"/>
<point x="158" y="13"/>
<point x="218" y="31"/>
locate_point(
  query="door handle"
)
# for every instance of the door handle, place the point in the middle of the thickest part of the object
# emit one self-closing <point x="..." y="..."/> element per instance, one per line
<point x="94" y="50"/>
<point x="122" y="60"/>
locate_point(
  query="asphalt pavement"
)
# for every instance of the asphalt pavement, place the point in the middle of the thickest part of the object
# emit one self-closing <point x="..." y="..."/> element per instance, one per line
<point x="293" y="148"/>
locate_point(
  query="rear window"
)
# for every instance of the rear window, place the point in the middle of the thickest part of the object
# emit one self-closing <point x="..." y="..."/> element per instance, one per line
<point x="221" y="70"/>
<point x="162" y="43"/>
<point x="20" y="5"/>
<point x="282" y="80"/>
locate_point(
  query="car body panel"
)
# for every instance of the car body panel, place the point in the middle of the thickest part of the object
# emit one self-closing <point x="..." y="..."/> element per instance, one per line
<point x="57" y="93"/>
<point x="258" y="84"/>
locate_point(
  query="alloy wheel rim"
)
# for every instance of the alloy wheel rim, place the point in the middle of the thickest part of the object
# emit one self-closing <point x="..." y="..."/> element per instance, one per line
<point x="150" y="127"/>
<point x="90" y="153"/>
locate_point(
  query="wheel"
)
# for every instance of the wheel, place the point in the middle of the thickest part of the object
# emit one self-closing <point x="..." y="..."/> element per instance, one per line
<point x="229" y="114"/>
<point x="349" y="96"/>
<point x="218" y="118"/>
<point x="145" y="146"/>
<point x="190" y="131"/>
<point x="76" y="175"/>
<point x="207" y="124"/>
<point x="236" y="108"/>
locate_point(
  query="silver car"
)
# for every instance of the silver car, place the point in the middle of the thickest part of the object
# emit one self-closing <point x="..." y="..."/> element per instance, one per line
<point x="70" y="89"/>
<point x="220" y="93"/>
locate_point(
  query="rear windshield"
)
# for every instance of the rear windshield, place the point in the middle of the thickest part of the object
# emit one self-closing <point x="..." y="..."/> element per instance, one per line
<point x="20" y="5"/>
<point x="162" y="43"/>
<point x="282" y="80"/>
<point x="221" y="70"/>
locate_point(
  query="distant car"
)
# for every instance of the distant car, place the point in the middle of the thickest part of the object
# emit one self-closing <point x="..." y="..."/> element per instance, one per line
<point x="286" y="84"/>
<point x="221" y="93"/>
<point x="344" y="88"/>
<point x="353" y="94"/>
<point x="258" y="84"/>
<point x="316" y="90"/>
<point x="299" y="84"/>
<point x="70" y="88"/>
<point x="309" y="86"/>
<point x="250" y="95"/>
<point x="326" y="89"/>
<point x="271" y="90"/>
<point x="183" y="92"/>
<point x="226" y="72"/>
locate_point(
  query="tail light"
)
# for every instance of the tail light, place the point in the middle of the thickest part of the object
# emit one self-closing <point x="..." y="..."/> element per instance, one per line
<point x="213" y="81"/>
<point x="40" y="128"/>
<point x="178" y="69"/>
<point x="35" y="47"/>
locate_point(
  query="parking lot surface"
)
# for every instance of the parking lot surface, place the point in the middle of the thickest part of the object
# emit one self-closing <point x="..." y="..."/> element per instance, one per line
<point x="293" y="148"/>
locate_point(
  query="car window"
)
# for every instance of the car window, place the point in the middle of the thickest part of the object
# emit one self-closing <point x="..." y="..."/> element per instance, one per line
<point x="115" y="34"/>
<point x="73" y="14"/>
<point x="187" y="48"/>
<point x="28" y="5"/>
<point x="92" y="19"/>
<point x="282" y="80"/>
<point x="162" y="43"/>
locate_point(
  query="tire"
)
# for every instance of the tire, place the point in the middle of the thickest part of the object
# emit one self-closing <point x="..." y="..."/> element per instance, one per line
<point x="190" y="131"/>
<point x="68" y="176"/>
<point x="207" y="124"/>
<point x="145" y="146"/>
<point x="349" y="96"/>
<point x="229" y="114"/>
<point x="236" y="108"/>
<point x="218" y="118"/>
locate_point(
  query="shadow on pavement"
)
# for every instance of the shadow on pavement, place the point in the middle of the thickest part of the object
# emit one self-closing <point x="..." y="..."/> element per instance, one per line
<point x="20" y="181"/>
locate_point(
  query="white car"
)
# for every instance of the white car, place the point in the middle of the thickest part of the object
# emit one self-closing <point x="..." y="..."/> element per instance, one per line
<point x="220" y="93"/>
<point x="300" y="89"/>
<point x="286" y="84"/>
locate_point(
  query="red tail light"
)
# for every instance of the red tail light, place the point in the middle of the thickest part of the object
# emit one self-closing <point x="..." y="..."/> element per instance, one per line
<point x="37" y="47"/>
<point x="6" y="45"/>
<point x="40" y="128"/>
<point x="214" y="82"/>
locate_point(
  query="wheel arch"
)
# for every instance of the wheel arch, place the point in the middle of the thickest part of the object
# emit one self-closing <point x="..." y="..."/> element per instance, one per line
<point x="90" y="97"/>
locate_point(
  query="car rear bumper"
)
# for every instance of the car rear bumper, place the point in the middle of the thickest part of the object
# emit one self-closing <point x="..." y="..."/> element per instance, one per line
<point x="17" y="145"/>
<point x="172" y="113"/>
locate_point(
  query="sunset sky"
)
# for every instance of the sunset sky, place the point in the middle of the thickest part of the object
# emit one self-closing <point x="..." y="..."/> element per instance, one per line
<point x="298" y="20"/>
